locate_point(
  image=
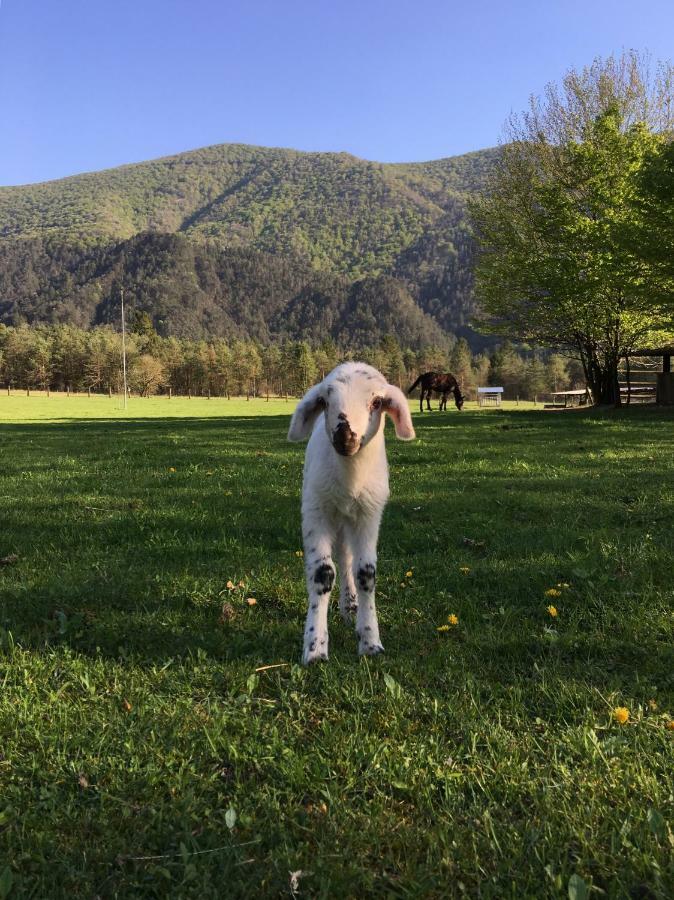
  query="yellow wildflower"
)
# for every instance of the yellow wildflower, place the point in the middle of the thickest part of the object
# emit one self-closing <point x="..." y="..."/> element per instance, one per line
<point x="670" y="725"/>
<point x="299" y="553"/>
<point x="241" y="584"/>
<point x="453" y="619"/>
<point x="465" y="570"/>
<point x="251" y="601"/>
<point x="230" y="585"/>
<point x="408" y="574"/>
<point x="553" y="611"/>
<point x="443" y="627"/>
<point x="553" y="592"/>
<point x="171" y="469"/>
<point x="621" y="715"/>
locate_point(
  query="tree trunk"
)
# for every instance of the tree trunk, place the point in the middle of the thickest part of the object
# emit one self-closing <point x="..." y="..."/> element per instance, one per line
<point x="603" y="382"/>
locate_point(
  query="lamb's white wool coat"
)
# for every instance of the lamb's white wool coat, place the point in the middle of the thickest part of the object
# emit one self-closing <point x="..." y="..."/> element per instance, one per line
<point x="344" y="492"/>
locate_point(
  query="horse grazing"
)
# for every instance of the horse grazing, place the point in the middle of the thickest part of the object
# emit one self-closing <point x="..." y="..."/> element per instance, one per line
<point x="442" y="384"/>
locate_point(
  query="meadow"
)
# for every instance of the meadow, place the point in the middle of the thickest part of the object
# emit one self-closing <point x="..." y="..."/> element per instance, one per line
<point x="158" y="737"/>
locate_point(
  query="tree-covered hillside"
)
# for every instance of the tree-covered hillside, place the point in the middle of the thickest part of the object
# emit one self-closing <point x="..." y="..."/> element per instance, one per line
<point x="199" y="289"/>
<point x="255" y="230"/>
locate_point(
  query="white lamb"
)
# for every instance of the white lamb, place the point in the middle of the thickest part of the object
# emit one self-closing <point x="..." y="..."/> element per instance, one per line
<point x="344" y="492"/>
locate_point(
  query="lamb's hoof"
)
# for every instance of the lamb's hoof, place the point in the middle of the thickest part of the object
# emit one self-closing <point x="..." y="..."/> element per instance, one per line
<point x="348" y="612"/>
<point x="367" y="649"/>
<point x="314" y="654"/>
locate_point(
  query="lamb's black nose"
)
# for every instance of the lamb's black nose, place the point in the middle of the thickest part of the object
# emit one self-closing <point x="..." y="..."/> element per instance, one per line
<point x="344" y="440"/>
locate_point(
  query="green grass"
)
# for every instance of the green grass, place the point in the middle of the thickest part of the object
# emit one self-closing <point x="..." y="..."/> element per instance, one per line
<point x="142" y="755"/>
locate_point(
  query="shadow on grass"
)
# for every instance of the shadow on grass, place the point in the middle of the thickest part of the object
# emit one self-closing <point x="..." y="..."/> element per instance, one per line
<point x="120" y="556"/>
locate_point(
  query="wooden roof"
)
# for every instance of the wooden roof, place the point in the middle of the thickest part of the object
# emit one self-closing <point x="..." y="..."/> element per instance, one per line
<point x="653" y="351"/>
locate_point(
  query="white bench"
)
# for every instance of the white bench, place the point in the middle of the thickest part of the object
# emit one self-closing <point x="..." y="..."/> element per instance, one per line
<point x="489" y="396"/>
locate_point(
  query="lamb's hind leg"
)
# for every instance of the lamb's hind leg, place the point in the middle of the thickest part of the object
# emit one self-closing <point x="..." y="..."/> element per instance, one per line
<point x="348" y="599"/>
<point x="320" y="573"/>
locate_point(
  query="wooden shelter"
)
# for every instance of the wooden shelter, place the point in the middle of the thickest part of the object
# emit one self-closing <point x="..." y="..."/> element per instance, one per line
<point x="489" y="396"/>
<point x="664" y="381"/>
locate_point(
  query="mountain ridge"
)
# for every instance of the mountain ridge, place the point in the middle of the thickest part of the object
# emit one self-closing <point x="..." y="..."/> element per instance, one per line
<point x="328" y="213"/>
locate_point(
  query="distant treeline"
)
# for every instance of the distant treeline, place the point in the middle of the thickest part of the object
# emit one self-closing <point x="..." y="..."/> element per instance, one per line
<point x="62" y="357"/>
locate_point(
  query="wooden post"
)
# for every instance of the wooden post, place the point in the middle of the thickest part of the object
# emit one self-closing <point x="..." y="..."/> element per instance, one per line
<point x="665" y="389"/>
<point x="170" y="393"/>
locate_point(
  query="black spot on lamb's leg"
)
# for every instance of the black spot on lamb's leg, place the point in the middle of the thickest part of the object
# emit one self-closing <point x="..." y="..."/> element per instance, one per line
<point x="324" y="578"/>
<point x="366" y="577"/>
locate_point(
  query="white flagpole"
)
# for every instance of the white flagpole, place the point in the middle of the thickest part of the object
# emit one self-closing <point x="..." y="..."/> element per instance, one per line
<point x="124" y="349"/>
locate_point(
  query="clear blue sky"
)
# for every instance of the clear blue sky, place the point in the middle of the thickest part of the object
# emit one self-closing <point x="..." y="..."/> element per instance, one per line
<point x="89" y="84"/>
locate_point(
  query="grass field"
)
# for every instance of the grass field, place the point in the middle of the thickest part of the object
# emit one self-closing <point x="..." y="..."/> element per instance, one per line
<point x="145" y="751"/>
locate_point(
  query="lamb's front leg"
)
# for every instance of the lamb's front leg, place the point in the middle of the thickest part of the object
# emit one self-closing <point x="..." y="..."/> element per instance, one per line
<point x="320" y="572"/>
<point x="365" y="572"/>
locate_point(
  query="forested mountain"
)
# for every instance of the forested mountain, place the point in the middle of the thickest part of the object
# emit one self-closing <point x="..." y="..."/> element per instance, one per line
<point x="239" y="240"/>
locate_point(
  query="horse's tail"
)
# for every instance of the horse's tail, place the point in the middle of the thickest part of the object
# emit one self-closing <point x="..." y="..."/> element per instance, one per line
<point x="411" y="388"/>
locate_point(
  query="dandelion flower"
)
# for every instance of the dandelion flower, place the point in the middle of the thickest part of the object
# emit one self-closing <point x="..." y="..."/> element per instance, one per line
<point x="443" y="628"/>
<point x="553" y="592"/>
<point x="453" y="619"/>
<point x="621" y="715"/>
<point x="171" y="469"/>
<point x="230" y="585"/>
<point x="465" y="570"/>
<point x="553" y="611"/>
<point x="408" y="574"/>
<point x="251" y="601"/>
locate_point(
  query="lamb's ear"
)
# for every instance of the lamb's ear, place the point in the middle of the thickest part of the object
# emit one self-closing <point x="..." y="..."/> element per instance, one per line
<point x="395" y="404"/>
<point x="306" y="412"/>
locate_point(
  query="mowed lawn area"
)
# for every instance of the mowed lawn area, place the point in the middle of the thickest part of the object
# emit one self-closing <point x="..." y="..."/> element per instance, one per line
<point x="158" y="737"/>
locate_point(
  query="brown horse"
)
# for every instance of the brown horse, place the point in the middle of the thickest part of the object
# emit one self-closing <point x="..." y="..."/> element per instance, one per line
<point x="442" y="384"/>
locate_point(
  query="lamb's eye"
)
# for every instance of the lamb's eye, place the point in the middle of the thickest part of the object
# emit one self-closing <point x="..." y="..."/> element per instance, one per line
<point x="376" y="403"/>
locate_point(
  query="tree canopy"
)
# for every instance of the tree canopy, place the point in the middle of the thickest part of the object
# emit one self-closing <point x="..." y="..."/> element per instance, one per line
<point x="558" y="262"/>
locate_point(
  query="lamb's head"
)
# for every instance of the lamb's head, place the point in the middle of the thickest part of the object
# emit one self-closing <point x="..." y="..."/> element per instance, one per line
<point x="352" y="398"/>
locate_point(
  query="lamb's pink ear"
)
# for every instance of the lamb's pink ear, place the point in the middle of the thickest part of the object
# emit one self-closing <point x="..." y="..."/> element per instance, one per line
<point x="305" y="413"/>
<point x="395" y="404"/>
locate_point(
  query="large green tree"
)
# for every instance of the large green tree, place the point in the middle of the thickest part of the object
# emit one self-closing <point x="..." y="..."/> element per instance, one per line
<point x="555" y="266"/>
<point x="652" y="235"/>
